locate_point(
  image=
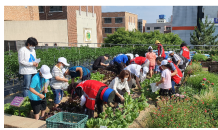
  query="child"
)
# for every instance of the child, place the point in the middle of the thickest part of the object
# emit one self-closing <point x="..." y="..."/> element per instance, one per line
<point x="165" y="81"/>
<point x="38" y="90"/>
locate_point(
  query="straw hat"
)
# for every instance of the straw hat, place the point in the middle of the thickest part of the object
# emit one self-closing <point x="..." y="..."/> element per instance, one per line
<point x="157" y="42"/>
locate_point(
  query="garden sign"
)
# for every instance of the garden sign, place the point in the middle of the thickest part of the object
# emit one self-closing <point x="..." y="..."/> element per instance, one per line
<point x="17" y="101"/>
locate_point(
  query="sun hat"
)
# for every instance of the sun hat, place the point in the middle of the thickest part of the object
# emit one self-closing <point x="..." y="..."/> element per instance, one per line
<point x="150" y="47"/>
<point x="157" y="42"/>
<point x="170" y="52"/>
<point x="63" y="60"/>
<point x="45" y="70"/>
<point x="145" y="70"/>
<point x="164" y="62"/>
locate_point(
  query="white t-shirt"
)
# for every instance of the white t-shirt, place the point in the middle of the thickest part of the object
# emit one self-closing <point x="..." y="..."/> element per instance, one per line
<point x="26" y="58"/>
<point x="134" y="69"/>
<point x="117" y="84"/>
<point x="166" y="74"/>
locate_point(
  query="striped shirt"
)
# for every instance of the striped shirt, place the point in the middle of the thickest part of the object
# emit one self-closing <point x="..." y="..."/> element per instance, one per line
<point x="177" y="58"/>
<point x="55" y="83"/>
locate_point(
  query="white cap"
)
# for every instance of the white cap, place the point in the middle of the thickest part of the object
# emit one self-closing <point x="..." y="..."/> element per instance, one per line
<point x="136" y="55"/>
<point x="170" y="52"/>
<point x="145" y="70"/>
<point x="63" y="60"/>
<point x="45" y="70"/>
<point x="164" y="62"/>
<point x="150" y="47"/>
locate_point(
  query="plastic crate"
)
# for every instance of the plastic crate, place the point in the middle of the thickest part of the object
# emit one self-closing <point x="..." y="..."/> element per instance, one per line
<point x="67" y="120"/>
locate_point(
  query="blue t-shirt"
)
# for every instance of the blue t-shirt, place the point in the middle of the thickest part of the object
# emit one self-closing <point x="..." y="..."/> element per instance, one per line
<point x="121" y="58"/>
<point x="37" y="83"/>
<point x="74" y="73"/>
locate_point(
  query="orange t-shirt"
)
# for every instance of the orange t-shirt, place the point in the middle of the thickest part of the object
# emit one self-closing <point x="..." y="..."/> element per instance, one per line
<point x="151" y="57"/>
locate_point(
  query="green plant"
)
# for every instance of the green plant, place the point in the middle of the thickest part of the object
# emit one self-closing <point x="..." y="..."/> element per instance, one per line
<point x="199" y="57"/>
<point x="97" y="76"/>
<point x="181" y="114"/>
<point x="195" y="81"/>
<point x="195" y="67"/>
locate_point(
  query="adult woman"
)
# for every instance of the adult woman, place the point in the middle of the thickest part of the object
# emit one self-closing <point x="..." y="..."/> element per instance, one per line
<point x="118" y="84"/>
<point x="151" y="57"/>
<point x="58" y="80"/>
<point x="92" y="92"/>
<point x="27" y="63"/>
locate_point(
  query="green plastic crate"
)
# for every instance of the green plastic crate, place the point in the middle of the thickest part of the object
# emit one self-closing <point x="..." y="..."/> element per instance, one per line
<point x="67" y="120"/>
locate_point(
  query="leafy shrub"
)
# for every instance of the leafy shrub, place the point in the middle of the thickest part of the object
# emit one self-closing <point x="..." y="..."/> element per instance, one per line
<point x="196" y="80"/>
<point x="199" y="57"/>
<point x="195" y="67"/>
<point x="214" y="57"/>
<point x="187" y="90"/>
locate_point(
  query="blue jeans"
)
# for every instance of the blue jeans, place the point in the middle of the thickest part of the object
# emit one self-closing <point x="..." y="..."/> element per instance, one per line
<point x="58" y="95"/>
<point x="173" y="84"/>
<point x="26" y="83"/>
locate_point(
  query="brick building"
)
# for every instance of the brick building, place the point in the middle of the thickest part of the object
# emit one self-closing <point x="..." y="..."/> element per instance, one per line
<point x="79" y="19"/>
<point x="111" y="21"/>
<point x="21" y="13"/>
<point x="141" y="25"/>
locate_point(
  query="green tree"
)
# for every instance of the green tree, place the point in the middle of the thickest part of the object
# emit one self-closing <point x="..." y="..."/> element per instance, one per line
<point x="204" y="34"/>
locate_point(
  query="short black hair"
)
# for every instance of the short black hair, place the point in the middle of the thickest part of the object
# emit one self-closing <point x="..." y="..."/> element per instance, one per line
<point x="107" y="55"/>
<point x="159" y="59"/>
<point x="183" y="44"/>
<point x="32" y="41"/>
<point x="71" y="86"/>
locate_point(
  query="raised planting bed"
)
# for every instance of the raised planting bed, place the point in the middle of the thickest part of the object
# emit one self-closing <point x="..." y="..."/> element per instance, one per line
<point x="213" y="67"/>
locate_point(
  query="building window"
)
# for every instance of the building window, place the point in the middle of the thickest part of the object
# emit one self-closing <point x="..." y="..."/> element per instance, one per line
<point x="46" y="44"/>
<point x="168" y="28"/>
<point x="148" y="28"/>
<point x="56" y="8"/>
<point x="118" y="20"/>
<point x="157" y="28"/>
<point x="108" y="30"/>
<point x="55" y="44"/>
<point x="41" y="9"/>
<point x="107" y="20"/>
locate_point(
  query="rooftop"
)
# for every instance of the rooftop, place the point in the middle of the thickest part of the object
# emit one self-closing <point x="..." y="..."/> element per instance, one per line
<point x="120" y="12"/>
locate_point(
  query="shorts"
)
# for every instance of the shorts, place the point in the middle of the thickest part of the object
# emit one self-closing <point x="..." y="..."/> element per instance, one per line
<point x="151" y="67"/>
<point x="38" y="105"/>
<point x="165" y="92"/>
<point x="58" y="95"/>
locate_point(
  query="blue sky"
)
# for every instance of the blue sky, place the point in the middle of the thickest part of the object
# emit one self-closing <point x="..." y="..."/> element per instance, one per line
<point x="148" y="13"/>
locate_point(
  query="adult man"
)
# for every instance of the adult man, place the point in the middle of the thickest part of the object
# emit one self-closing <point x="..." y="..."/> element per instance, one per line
<point x="121" y="61"/>
<point x="184" y="51"/>
<point x="38" y="89"/>
<point x="176" y="74"/>
<point x="58" y="80"/>
<point x="161" y="52"/>
<point x="99" y="62"/>
<point x="78" y="71"/>
<point x="92" y="92"/>
<point x="180" y="61"/>
<point x="140" y="60"/>
<point x="137" y="72"/>
<point x="27" y="64"/>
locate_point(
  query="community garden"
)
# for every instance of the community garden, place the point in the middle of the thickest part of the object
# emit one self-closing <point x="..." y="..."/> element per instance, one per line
<point x="194" y="105"/>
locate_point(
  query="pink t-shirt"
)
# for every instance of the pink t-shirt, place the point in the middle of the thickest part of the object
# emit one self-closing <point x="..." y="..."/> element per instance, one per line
<point x="151" y="57"/>
<point x="166" y="74"/>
